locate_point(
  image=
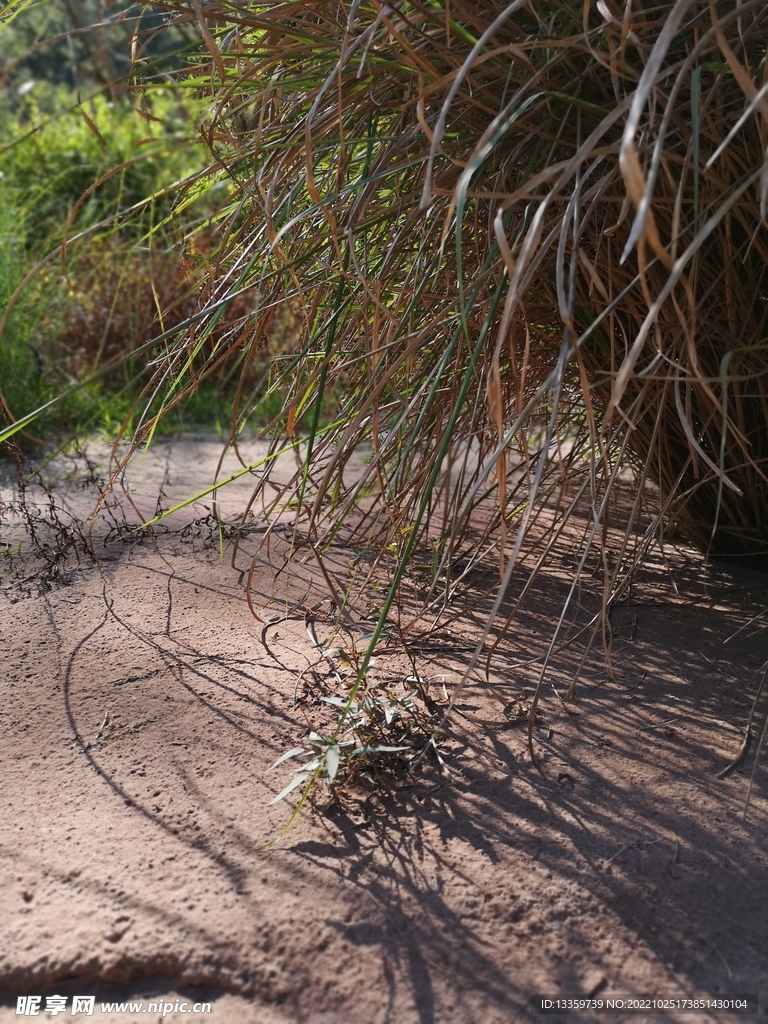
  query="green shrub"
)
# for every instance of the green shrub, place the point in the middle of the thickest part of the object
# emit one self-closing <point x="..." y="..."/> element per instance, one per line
<point x="54" y="157"/>
<point x="88" y="311"/>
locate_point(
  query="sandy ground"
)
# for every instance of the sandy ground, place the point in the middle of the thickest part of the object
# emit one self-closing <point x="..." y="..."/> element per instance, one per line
<point x="144" y="704"/>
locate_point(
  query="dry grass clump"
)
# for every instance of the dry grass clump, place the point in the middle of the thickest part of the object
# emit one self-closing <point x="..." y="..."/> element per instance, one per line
<point x="534" y="226"/>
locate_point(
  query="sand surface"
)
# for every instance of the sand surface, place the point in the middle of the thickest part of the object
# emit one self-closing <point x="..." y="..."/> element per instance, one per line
<point x="143" y="705"/>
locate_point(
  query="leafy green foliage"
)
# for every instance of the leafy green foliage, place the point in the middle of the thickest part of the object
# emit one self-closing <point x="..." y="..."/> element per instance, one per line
<point x="83" y="45"/>
<point x="109" y="168"/>
<point x="58" y="150"/>
<point x="21" y="371"/>
<point x="372" y="736"/>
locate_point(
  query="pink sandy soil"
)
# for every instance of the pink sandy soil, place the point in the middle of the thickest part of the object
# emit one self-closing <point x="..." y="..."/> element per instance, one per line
<point x="143" y="705"/>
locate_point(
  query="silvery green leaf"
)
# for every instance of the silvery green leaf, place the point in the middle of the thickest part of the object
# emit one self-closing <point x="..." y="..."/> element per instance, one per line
<point x="297" y="780"/>
<point x="294" y="752"/>
<point x="332" y="758"/>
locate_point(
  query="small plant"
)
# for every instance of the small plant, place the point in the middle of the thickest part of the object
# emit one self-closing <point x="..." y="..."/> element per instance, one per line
<point x="376" y="738"/>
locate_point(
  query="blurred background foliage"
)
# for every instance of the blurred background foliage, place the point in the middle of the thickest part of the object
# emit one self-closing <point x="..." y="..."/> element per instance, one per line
<point x="101" y="147"/>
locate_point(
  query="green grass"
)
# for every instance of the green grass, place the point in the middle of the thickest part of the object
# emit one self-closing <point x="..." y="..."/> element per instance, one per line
<point x="81" y="327"/>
